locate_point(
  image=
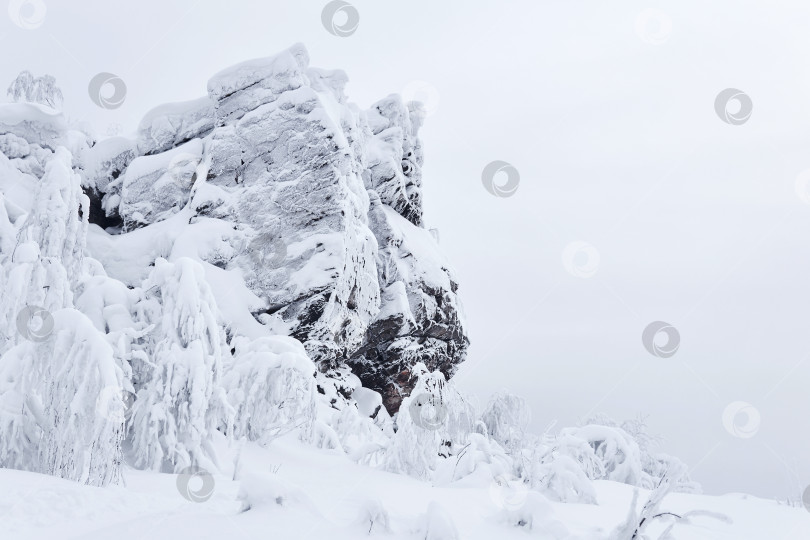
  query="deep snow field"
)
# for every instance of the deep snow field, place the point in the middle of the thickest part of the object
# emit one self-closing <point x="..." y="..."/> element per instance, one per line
<point x="293" y="491"/>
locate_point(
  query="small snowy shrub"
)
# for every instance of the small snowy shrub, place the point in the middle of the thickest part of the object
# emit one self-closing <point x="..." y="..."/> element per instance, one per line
<point x="437" y="524"/>
<point x="481" y="456"/>
<point x="635" y="525"/>
<point x="654" y="465"/>
<point x="506" y="418"/>
<point x="561" y="466"/>
<point x="374" y="517"/>
<point x="271" y="387"/>
<point x="618" y="453"/>
<point x="434" y="422"/>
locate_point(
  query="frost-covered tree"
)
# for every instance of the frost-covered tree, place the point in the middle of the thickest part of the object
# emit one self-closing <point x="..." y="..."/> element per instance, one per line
<point x="179" y="401"/>
<point x="271" y="386"/>
<point x="56" y="364"/>
<point x="46" y="91"/>
<point x="45" y="263"/>
<point x="32" y="89"/>
<point x="22" y="88"/>
<point x="57" y="415"/>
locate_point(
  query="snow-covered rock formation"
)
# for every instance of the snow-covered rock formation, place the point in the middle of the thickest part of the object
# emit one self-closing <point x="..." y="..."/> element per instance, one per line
<point x="270" y="209"/>
<point x="252" y="271"/>
<point x="314" y="202"/>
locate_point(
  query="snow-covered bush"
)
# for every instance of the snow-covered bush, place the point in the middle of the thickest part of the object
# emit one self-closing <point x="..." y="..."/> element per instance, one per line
<point x="179" y="401"/>
<point x="110" y="305"/>
<point x="654" y="465"/>
<point x="46" y="260"/>
<point x="51" y="394"/>
<point x="41" y="90"/>
<point x="374" y="517"/>
<point x="535" y="514"/>
<point x="481" y="457"/>
<point x="618" y="453"/>
<point x="506" y="418"/>
<point x="561" y="466"/>
<point x="437" y="524"/>
<point x="271" y="387"/>
<point x="59" y="218"/>
<point x="434" y="422"/>
<point x="637" y="521"/>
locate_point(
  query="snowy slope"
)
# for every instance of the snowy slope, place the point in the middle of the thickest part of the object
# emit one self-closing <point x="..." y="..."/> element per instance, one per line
<point x="297" y="492"/>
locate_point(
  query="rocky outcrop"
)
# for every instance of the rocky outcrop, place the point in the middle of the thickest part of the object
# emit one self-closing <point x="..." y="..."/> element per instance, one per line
<point x="324" y="204"/>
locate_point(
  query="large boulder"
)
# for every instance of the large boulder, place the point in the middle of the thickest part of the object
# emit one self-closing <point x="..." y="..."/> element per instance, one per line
<point x="325" y="203"/>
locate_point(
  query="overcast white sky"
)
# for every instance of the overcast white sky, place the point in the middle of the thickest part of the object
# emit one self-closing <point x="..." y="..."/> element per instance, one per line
<point x="696" y="222"/>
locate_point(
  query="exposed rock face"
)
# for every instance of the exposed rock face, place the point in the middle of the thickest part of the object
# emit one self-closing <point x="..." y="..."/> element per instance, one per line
<point x="420" y="317"/>
<point x="325" y="202"/>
